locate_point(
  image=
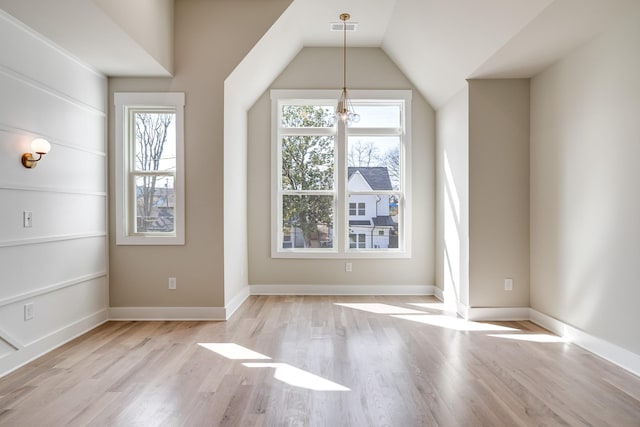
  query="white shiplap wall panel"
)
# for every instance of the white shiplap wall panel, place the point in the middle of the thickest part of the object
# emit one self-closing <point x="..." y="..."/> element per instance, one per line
<point x="44" y="65"/>
<point x="49" y="115"/>
<point x="30" y="267"/>
<point x="83" y="299"/>
<point x="85" y="308"/>
<point x="53" y="214"/>
<point x="59" y="264"/>
<point x="64" y="169"/>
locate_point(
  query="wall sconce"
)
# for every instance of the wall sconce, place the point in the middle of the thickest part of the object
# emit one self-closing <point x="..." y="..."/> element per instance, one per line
<point x="41" y="147"/>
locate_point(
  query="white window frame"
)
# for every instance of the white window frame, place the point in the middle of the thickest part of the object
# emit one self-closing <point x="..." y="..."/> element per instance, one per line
<point x="341" y="209"/>
<point x="360" y="209"/>
<point x="125" y="102"/>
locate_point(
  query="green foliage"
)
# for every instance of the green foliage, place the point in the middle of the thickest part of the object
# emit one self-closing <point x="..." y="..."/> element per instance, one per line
<point x="307" y="164"/>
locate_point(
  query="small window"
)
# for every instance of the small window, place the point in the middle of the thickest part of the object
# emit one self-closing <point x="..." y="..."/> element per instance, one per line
<point x="149" y="165"/>
<point x="357" y="241"/>
<point x="357" y="209"/>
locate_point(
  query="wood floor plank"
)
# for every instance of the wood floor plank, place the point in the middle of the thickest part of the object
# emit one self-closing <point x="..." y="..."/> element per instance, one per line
<point x="326" y="361"/>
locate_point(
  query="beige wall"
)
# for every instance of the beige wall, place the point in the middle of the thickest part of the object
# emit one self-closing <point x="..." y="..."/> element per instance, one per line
<point x="319" y="68"/>
<point x="148" y="22"/>
<point x="452" y="199"/>
<point x="585" y="198"/>
<point x="211" y="38"/>
<point x="498" y="192"/>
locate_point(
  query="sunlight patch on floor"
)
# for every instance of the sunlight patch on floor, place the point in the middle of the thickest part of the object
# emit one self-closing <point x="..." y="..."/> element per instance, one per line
<point x="541" y="338"/>
<point x="233" y="351"/>
<point x="283" y="371"/>
<point x="299" y="378"/>
<point x="378" y="308"/>
<point x="454" y="323"/>
<point x="439" y="306"/>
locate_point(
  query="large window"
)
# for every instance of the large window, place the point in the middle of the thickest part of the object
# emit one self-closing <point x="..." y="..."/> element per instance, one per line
<point x="149" y="168"/>
<point x="340" y="191"/>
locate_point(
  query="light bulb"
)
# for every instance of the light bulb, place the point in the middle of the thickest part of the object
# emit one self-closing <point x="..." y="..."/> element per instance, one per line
<point x="40" y="146"/>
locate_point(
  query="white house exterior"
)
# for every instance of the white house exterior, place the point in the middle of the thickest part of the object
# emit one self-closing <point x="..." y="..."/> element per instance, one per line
<point x="370" y="224"/>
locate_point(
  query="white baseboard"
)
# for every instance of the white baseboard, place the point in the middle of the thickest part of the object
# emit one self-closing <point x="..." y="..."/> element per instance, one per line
<point x="342" y="289"/>
<point x="31" y="351"/>
<point x="167" y="313"/>
<point x="497" y="313"/>
<point x="609" y="351"/>
<point x="236" y="302"/>
<point x="438" y="293"/>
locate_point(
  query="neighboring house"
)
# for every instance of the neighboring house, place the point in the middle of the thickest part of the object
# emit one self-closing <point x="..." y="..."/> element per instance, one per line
<point x="370" y="222"/>
<point x="160" y="217"/>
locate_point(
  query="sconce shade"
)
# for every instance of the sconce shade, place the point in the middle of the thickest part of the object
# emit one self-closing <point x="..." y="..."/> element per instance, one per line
<point x="40" y="146"/>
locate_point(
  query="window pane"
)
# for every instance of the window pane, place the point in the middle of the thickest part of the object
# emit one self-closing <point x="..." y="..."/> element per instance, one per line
<point x="307" y="221"/>
<point x="155" y="202"/>
<point x="308" y="116"/>
<point x="307" y="162"/>
<point x="155" y="147"/>
<point x="379" y="226"/>
<point x="378" y="116"/>
<point x="378" y="160"/>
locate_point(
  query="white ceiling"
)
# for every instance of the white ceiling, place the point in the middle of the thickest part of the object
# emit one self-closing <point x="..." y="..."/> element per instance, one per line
<point x="436" y="43"/>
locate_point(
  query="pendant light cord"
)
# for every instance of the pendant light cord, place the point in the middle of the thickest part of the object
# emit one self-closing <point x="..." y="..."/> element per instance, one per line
<point x="344" y="54"/>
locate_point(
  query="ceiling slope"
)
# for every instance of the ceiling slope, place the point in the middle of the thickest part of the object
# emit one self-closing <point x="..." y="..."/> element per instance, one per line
<point x="438" y="44"/>
<point x="92" y="34"/>
<point x="560" y="28"/>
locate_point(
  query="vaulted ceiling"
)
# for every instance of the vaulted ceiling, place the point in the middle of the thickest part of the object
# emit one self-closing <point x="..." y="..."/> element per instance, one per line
<point x="438" y="44"/>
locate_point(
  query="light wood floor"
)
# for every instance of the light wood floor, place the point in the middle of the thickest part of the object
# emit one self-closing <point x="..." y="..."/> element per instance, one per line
<point x="321" y="361"/>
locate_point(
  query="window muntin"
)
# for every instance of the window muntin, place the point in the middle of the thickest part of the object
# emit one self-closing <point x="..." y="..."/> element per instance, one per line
<point x="380" y="224"/>
<point x="357" y="209"/>
<point x="357" y="240"/>
<point x="149" y="168"/>
<point x="378" y="115"/>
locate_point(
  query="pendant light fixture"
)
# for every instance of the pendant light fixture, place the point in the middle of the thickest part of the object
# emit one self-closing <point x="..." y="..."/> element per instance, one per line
<point x="345" y="111"/>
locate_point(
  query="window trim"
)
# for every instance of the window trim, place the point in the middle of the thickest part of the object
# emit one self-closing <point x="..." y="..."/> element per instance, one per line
<point x="341" y="248"/>
<point x="123" y="101"/>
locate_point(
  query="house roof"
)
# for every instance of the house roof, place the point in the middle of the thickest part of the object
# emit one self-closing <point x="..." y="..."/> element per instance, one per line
<point x="377" y="177"/>
<point x="383" y="221"/>
<point x="356" y="222"/>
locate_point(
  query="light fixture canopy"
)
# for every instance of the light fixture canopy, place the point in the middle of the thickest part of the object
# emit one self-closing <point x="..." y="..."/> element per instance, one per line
<point x="345" y="111"/>
<point x="41" y="147"/>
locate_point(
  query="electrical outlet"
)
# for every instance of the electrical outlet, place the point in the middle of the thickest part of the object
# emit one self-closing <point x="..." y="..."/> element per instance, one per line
<point x="172" y="283"/>
<point x="508" y="284"/>
<point x="348" y="267"/>
<point x="27" y="219"/>
<point x="28" y="311"/>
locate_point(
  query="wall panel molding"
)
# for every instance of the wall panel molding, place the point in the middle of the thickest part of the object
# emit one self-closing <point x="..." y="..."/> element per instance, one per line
<point x="49" y="342"/>
<point x="4" y="336"/>
<point x="15" y="75"/>
<point x="51" y="288"/>
<point x="51" y="239"/>
<point x="20" y="132"/>
<point x="13" y="187"/>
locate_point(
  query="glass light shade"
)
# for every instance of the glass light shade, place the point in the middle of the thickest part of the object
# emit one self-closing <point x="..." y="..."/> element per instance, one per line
<point x="40" y="146"/>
